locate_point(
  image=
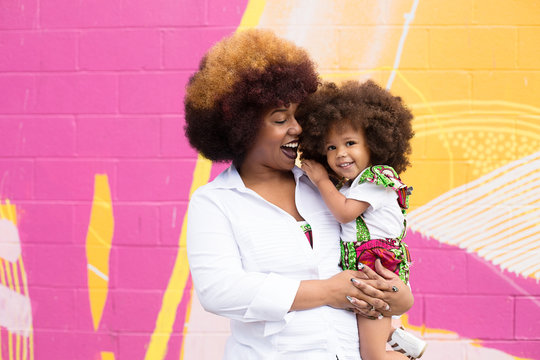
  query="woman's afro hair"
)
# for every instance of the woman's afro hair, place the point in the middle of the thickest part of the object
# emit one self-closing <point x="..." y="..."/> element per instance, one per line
<point x="385" y="120"/>
<point x="240" y="77"/>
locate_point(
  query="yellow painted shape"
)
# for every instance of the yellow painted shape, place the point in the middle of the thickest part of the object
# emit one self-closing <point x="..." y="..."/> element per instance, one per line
<point x="177" y="282"/>
<point x="107" y="355"/>
<point x="529" y="47"/>
<point x="252" y="14"/>
<point x="448" y="47"/>
<point x="98" y="247"/>
<point x="504" y="12"/>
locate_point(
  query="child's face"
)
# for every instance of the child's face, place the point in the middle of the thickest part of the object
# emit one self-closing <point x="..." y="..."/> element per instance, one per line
<point x="346" y="151"/>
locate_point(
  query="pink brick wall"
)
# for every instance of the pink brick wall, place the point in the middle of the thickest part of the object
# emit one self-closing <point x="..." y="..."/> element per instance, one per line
<point x="87" y="88"/>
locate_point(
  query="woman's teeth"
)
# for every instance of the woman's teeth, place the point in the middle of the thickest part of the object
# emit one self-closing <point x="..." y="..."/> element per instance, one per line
<point x="291" y="145"/>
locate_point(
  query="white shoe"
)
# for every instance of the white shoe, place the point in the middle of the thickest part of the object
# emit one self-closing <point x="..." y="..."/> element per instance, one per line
<point x="407" y="343"/>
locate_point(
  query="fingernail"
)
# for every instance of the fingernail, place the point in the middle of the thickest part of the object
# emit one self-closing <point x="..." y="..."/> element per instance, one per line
<point x="350" y="299"/>
<point x="360" y="266"/>
<point x="354" y="281"/>
<point x="387" y="307"/>
<point x="380" y="317"/>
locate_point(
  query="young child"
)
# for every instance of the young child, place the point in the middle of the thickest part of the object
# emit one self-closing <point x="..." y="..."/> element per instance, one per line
<point x="361" y="133"/>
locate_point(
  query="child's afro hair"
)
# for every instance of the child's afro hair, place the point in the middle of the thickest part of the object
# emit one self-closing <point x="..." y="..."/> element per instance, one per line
<point x="385" y="120"/>
<point x="239" y="78"/>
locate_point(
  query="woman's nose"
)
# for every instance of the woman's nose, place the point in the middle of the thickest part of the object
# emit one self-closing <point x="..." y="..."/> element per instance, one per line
<point x="295" y="128"/>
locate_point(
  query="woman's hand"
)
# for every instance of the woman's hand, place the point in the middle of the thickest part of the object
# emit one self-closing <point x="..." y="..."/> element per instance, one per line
<point x="351" y="290"/>
<point x="383" y="285"/>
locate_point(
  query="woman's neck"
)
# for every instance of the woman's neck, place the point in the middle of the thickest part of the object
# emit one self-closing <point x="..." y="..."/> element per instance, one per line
<point x="256" y="176"/>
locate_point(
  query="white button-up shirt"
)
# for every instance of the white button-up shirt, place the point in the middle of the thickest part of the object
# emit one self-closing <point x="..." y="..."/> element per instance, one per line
<point x="247" y="258"/>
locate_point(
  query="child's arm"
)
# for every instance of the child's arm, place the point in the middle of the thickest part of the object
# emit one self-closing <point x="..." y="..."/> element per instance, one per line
<point x="343" y="209"/>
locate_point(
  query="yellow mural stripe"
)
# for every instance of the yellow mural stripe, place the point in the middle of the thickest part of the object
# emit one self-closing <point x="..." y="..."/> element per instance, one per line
<point x="3" y="273"/>
<point x="18" y="346"/>
<point x="252" y="14"/>
<point x="7" y="268"/>
<point x="187" y="317"/>
<point x="107" y="355"/>
<point x="98" y="247"/>
<point x="177" y="282"/>
<point x="29" y="342"/>
<point x="15" y="273"/>
<point x="10" y="345"/>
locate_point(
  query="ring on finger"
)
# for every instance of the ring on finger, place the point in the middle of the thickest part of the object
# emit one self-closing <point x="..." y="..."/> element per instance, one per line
<point x="372" y="308"/>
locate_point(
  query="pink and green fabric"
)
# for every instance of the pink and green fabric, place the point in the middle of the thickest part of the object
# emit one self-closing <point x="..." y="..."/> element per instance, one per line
<point x="394" y="253"/>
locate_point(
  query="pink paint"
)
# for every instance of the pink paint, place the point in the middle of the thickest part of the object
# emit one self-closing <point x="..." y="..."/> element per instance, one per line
<point x="19" y="14"/>
<point x="34" y="51"/>
<point x="171" y="218"/>
<point x="77" y="93"/>
<point x="157" y="180"/>
<point x="527" y="318"/>
<point x="173" y="141"/>
<point x="136" y="225"/>
<point x="490" y="305"/>
<point x="97" y="88"/>
<point x="152" y="93"/>
<point x="122" y="49"/>
<point x="177" y="42"/>
<point x="18" y="93"/>
<point x="128" y="136"/>
<point x="16" y="179"/>
<point x="71" y="179"/>
<point x="38" y="136"/>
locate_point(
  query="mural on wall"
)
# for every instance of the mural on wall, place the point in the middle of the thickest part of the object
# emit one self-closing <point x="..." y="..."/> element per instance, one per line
<point x="95" y="173"/>
<point x="16" y="335"/>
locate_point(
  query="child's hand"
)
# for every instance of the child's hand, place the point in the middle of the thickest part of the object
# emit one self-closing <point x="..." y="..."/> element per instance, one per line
<point x="315" y="171"/>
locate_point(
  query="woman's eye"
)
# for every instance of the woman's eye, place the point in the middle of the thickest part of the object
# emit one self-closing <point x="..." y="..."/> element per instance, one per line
<point x="280" y="121"/>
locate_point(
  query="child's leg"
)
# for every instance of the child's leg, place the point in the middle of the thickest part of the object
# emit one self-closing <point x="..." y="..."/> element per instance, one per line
<point x="373" y="336"/>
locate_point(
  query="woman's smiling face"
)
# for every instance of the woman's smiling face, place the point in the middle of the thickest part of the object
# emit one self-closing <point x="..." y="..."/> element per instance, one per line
<point x="276" y="144"/>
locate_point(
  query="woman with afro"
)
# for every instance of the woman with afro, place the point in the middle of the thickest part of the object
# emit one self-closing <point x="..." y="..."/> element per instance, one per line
<point x="259" y="235"/>
<point x="361" y="133"/>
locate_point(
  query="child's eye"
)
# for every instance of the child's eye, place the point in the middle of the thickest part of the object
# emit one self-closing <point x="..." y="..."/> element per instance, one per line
<point x="330" y="148"/>
<point x="350" y="143"/>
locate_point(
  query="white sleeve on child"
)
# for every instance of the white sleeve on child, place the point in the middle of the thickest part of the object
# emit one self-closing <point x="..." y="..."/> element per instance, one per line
<point x="371" y="193"/>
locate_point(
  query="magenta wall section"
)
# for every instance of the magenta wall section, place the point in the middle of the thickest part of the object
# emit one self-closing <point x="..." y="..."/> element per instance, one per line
<point x="95" y="89"/>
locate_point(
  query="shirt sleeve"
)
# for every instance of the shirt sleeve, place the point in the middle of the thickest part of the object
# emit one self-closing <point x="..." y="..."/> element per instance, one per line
<point x="222" y="285"/>
<point x="368" y="192"/>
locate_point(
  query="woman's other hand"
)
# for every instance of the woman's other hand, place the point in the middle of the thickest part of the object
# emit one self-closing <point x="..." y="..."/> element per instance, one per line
<point x="382" y="285"/>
